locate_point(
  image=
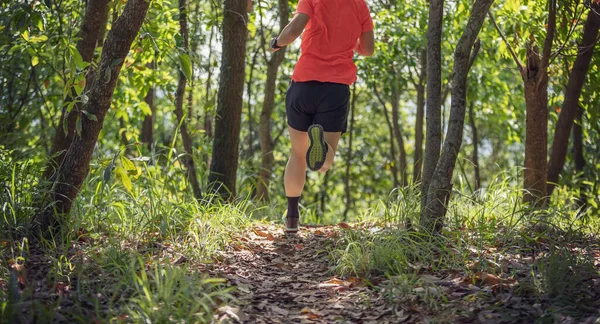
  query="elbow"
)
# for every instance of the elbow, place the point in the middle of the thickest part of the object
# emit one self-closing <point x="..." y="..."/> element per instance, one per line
<point x="370" y="52"/>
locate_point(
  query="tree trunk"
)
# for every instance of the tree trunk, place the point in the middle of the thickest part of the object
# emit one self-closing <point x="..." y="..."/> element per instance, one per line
<point x="188" y="146"/>
<point x="264" y="127"/>
<point x="208" y="121"/>
<point x="475" y="156"/>
<point x="147" y="135"/>
<point x="75" y="166"/>
<point x="393" y="160"/>
<point x="226" y="143"/>
<point x="432" y="217"/>
<point x="398" y="135"/>
<point x="418" y="166"/>
<point x="535" y="78"/>
<point x="433" y="140"/>
<point x="349" y="156"/>
<point x="570" y="106"/>
<point x="579" y="158"/>
<point x="94" y="22"/>
<point x="250" y="151"/>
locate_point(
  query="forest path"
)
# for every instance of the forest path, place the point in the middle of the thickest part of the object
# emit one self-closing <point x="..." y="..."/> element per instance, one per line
<point x="282" y="279"/>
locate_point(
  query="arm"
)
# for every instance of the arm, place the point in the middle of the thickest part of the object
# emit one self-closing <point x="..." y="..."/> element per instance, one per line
<point x="293" y="30"/>
<point x="366" y="44"/>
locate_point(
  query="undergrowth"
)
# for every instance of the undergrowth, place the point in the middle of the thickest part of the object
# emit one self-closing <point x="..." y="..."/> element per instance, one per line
<point x="491" y="243"/>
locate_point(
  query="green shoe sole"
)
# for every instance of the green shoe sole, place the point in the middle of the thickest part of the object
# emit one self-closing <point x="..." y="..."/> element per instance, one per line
<point x="317" y="150"/>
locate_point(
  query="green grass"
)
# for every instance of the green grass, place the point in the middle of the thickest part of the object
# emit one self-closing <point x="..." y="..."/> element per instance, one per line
<point x="483" y="232"/>
<point x="131" y="253"/>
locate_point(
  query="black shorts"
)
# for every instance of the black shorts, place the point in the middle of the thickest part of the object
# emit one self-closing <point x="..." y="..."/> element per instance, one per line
<point x="315" y="102"/>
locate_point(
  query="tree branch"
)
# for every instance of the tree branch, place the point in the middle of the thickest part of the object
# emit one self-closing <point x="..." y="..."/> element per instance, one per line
<point x="510" y="49"/>
<point x="547" y="51"/>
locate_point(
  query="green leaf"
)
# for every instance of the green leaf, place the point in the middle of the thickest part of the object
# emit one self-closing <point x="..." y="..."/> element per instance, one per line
<point x="128" y="165"/>
<point x="78" y="125"/>
<point x="35" y="60"/>
<point x="186" y="65"/>
<point x="116" y="62"/>
<point x="107" y="75"/>
<point x="125" y="180"/>
<point x="146" y="110"/>
<point x="89" y="115"/>
<point x="25" y="35"/>
<point x="108" y="171"/>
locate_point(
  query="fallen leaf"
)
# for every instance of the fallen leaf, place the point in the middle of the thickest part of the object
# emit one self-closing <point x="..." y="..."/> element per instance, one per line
<point x="299" y="246"/>
<point x="260" y="233"/>
<point x="270" y="237"/>
<point x="278" y="310"/>
<point x="343" y="225"/>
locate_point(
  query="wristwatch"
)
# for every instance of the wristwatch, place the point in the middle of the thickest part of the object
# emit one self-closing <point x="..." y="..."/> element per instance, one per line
<point x="274" y="43"/>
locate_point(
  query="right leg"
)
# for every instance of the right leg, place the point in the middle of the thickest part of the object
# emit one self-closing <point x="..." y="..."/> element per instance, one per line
<point x="295" y="170"/>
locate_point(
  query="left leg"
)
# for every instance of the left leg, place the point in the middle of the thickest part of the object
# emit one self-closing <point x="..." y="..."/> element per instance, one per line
<point x="332" y="139"/>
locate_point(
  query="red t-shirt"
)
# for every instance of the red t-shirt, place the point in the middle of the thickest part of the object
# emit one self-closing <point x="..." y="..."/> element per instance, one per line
<point x="329" y="39"/>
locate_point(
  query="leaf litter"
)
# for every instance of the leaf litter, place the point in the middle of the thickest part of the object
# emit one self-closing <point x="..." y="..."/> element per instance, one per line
<point x="287" y="279"/>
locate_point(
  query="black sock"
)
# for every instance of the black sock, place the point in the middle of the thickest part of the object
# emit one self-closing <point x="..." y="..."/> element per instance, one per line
<point x="292" y="210"/>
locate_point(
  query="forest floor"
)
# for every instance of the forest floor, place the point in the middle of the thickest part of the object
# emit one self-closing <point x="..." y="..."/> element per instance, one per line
<point x="276" y="278"/>
<point x="283" y="279"/>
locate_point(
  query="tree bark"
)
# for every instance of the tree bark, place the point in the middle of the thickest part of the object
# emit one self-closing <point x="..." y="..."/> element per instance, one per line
<point x="570" y="106"/>
<point x="420" y="87"/>
<point x="349" y="156"/>
<point x="475" y="156"/>
<point x="433" y="130"/>
<point x="94" y="22"/>
<point x="535" y="78"/>
<point x="264" y="128"/>
<point x="75" y="166"/>
<point x="188" y="146"/>
<point x="432" y="217"/>
<point x="399" y="138"/>
<point x="225" y="151"/>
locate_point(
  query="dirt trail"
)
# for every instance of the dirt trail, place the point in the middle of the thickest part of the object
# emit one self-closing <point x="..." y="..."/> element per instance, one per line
<point x="287" y="280"/>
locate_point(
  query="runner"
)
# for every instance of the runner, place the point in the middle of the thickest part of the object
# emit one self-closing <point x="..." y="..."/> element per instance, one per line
<point x="318" y="98"/>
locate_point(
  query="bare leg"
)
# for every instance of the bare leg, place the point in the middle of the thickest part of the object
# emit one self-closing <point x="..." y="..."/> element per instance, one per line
<point x="332" y="140"/>
<point x="295" y="170"/>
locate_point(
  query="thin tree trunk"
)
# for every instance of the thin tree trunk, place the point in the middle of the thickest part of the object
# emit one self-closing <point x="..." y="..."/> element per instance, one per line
<point x="188" y="146"/>
<point x="349" y="156"/>
<point x="475" y="156"/>
<point x="433" y="139"/>
<point x="250" y="151"/>
<point x="579" y="158"/>
<point x="208" y="121"/>
<point x="570" y="106"/>
<point x="535" y="77"/>
<point x="399" y="137"/>
<point x="76" y="163"/>
<point x="432" y="216"/>
<point x="147" y="135"/>
<point x="225" y="151"/>
<point x="393" y="160"/>
<point x="264" y="128"/>
<point x="94" y="22"/>
<point x="418" y="164"/>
